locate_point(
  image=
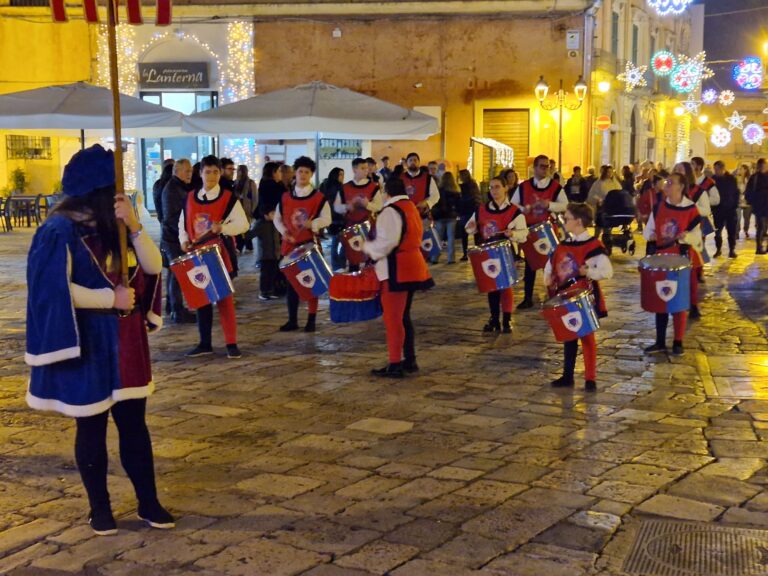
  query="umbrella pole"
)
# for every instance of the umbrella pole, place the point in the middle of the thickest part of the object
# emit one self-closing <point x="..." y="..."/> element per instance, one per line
<point x="317" y="159"/>
<point x="117" y="132"/>
<point x="82" y="139"/>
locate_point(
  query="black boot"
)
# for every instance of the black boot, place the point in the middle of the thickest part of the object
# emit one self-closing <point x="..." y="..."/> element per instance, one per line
<point x="289" y="326"/>
<point x="391" y="370"/>
<point x="562" y="382"/>
<point x="410" y="366"/>
<point x="492" y="325"/>
<point x="310" y="327"/>
<point x="507" y="323"/>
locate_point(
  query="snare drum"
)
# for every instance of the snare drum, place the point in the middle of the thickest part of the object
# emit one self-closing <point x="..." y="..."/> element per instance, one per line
<point x="202" y="276"/>
<point x="430" y="243"/>
<point x="494" y="266"/>
<point x="665" y="283"/>
<point x="353" y="238"/>
<point x="571" y="314"/>
<point x="540" y="245"/>
<point x="307" y="271"/>
<point x="355" y="296"/>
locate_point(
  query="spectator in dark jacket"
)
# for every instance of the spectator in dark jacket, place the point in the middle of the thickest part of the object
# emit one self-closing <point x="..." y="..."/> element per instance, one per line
<point x="157" y="188"/>
<point x="756" y="195"/>
<point x="577" y="187"/>
<point x="331" y="187"/>
<point x="468" y="203"/>
<point x="446" y="212"/>
<point x="172" y="201"/>
<point x="726" y="213"/>
<point x="270" y="192"/>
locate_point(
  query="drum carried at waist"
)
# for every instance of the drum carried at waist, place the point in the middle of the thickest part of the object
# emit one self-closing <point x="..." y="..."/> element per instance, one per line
<point x="355" y="296"/>
<point x="665" y="283"/>
<point x="202" y="276"/>
<point x="307" y="271"/>
<point x="430" y="243"/>
<point x="541" y="243"/>
<point x="353" y="237"/>
<point x="571" y="314"/>
<point x="493" y="264"/>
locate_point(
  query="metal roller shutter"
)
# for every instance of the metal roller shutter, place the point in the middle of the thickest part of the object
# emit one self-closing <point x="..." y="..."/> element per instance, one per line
<point x="509" y="127"/>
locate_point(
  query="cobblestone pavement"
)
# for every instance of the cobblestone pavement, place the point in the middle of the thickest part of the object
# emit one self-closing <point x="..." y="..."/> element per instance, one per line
<point x="293" y="460"/>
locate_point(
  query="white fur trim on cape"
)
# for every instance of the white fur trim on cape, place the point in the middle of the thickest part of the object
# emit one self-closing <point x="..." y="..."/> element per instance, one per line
<point x="50" y="404"/>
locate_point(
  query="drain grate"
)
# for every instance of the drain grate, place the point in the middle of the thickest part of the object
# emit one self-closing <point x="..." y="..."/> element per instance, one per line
<point x="664" y="548"/>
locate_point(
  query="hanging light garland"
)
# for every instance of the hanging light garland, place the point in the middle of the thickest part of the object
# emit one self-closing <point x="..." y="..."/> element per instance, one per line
<point x="663" y="62"/>
<point x="753" y="134"/>
<point x="748" y="73"/>
<point x="720" y="137"/>
<point x="669" y="7"/>
<point x="238" y="83"/>
<point x="633" y="76"/>
<point x="709" y="96"/>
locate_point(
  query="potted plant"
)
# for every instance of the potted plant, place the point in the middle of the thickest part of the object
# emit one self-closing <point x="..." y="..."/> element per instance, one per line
<point x="18" y="182"/>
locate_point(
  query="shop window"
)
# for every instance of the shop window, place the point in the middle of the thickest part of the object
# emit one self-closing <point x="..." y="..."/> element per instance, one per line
<point x="509" y="127"/>
<point x="27" y="147"/>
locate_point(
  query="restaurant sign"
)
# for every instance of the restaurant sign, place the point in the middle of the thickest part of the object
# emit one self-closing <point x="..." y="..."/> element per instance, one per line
<point x="163" y="75"/>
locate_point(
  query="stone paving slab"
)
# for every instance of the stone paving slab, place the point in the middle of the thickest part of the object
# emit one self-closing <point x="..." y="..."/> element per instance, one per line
<point x="294" y="460"/>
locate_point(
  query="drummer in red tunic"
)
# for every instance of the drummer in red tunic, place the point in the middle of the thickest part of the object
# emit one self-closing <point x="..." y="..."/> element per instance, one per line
<point x="420" y="186"/>
<point x="580" y="261"/>
<point x="401" y="269"/>
<point x="209" y="215"/>
<point x="359" y="199"/>
<point x="674" y="226"/>
<point x="300" y="216"/>
<point x="538" y="198"/>
<point x="495" y="220"/>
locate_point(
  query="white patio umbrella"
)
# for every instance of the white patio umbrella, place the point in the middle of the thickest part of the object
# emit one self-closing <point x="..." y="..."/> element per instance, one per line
<point x="71" y="109"/>
<point x="313" y="111"/>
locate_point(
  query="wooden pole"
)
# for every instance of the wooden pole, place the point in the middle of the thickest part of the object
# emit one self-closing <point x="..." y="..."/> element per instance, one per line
<point x="117" y="132"/>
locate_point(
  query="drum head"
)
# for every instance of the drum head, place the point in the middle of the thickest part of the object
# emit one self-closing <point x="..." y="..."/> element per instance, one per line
<point x="665" y="262"/>
<point x="196" y="253"/>
<point x="569" y="295"/>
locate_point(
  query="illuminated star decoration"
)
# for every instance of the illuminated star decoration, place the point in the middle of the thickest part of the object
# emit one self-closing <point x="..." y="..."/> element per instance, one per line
<point x="720" y="137"/>
<point x="689" y="73"/>
<point x="753" y="134"/>
<point x="709" y="96"/>
<point x="633" y="76"/>
<point x="669" y="7"/>
<point x="748" y="73"/>
<point x="691" y="106"/>
<point x="727" y="97"/>
<point x="736" y="121"/>
<point x="663" y="62"/>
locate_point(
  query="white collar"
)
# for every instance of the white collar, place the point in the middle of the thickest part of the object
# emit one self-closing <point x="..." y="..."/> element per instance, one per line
<point x="685" y="201"/>
<point x="211" y="194"/>
<point x="543" y="183"/>
<point x="362" y="182"/>
<point x="412" y="175"/>
<point x="302" y="192"/>
<point x="502" y="205"/>
<point x="394" y="199"/>
<point x="700" y="179"/>
<point x="583" y="236"/>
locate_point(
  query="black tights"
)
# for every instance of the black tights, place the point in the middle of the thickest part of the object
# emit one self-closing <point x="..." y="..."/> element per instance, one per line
<point x="529" y="281"/>
<point x="409" y="344"/>
<point x="494" y="303"/>
<point x="135" y="452"/>
<point x="570" y="351"/>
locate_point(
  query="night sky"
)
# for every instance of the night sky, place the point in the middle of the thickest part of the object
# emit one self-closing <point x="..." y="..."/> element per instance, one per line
<point x="735" y="28"/>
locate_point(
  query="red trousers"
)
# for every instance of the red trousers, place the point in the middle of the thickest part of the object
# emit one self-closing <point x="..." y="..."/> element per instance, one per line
<point x="507" y="300"/>
<point x="227" y="318"/>
<point x="397" y="323"/>
<point x="588" y="349"/>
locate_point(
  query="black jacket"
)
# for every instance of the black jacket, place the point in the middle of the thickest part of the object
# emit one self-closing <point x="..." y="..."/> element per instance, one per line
<point x="756" y="194"/>
<point x="470" y="199"/>
<point x="577" y="191"/>
<point x="157" y="196"/>
<point x="729" y="194"/>
<point x="173" y="198"/>
<point x="270" y="192"/>
<point x="447" y="208"/>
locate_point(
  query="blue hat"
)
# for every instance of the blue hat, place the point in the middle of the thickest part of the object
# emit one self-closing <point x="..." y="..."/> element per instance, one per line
<point x="88" y="170"/>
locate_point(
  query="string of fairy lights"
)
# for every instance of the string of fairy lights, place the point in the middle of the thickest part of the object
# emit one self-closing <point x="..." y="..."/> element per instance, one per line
<point x="236" y="80"/>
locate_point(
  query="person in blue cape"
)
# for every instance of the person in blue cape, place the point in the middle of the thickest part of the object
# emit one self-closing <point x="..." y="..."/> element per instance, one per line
<point x="87" y="338"/>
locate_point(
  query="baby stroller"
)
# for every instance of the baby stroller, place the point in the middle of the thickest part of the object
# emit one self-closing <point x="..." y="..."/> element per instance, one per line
<point x="617" y="211"/>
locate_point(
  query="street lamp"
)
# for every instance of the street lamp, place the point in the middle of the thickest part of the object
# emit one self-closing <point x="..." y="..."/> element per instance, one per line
<point x="560" y="101"/>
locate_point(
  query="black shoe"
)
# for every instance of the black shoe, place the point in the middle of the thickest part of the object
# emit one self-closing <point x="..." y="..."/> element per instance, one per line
<point x="525" y="304"/>
<point x="274" y="296"/>
<point x="492" y="326"/>
<point x="694" y="313"/>
<point x="102" y="522"/>
<point x="156" y="516"/>
<point x="183" y="317"/>
<point x="759" y="251"/>
<point x="289" y="326"/>
<point x="677" y="349"/>
<point x="233" y="351"/>
<point x="464" y="258"/>
<point x="506" y="324"/>
<point x="590" y="386"/>
<point x="562" y="382"/>
<point x="410" y="366"/>
<point x="717" y="254"/>
<point x="655" y="349"/>
<point x="263" y="297"/>
<point x="390" y="371"/>
<point x="732" y="254"/>
<point x="310" y="325"/>
<point x="199" y="350"/>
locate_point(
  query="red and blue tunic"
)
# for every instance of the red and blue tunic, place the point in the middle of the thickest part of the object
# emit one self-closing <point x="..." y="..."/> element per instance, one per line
<point x="568" y="258"/>
<point x="417" y="187"/>
<point x="493" y="221"/>
<point x="352" y="192"/>
<point x="670" y="222"/>
<point x="531" y="195"/>
<point x="407" y="268"/>
<point x="200" y="215"/>
<point x="297" y="214"/>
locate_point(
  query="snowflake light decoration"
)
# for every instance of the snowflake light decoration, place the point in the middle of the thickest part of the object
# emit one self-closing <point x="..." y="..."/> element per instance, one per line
<point x="720" y="137"/>
<point x="633" y="76"/>
<point x="748" y="73"/>
<point x="709" y="96"/>
<point x="691" y="106"/>
<point x="663" y="62"/>
<point x="669" y="7"/>
<point x="726" y="97"/>
<point x="736" y="121"/>
<point x="689" y="73"/>
<point x="753" y="134"/>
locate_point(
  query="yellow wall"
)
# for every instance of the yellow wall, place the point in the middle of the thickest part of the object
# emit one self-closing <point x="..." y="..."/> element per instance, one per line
<point x="34" y="54"/>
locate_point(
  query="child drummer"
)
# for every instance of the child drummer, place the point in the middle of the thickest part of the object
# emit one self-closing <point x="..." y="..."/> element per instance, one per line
<point x="580" y="261"/>
<point x="495" y="220"/>
<point x="359" y="199"/>
<point x="209" y="215"/>
<point x="674" y="226"/>
<point x="299" y="217"/>
<point x="538" y="198"/>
